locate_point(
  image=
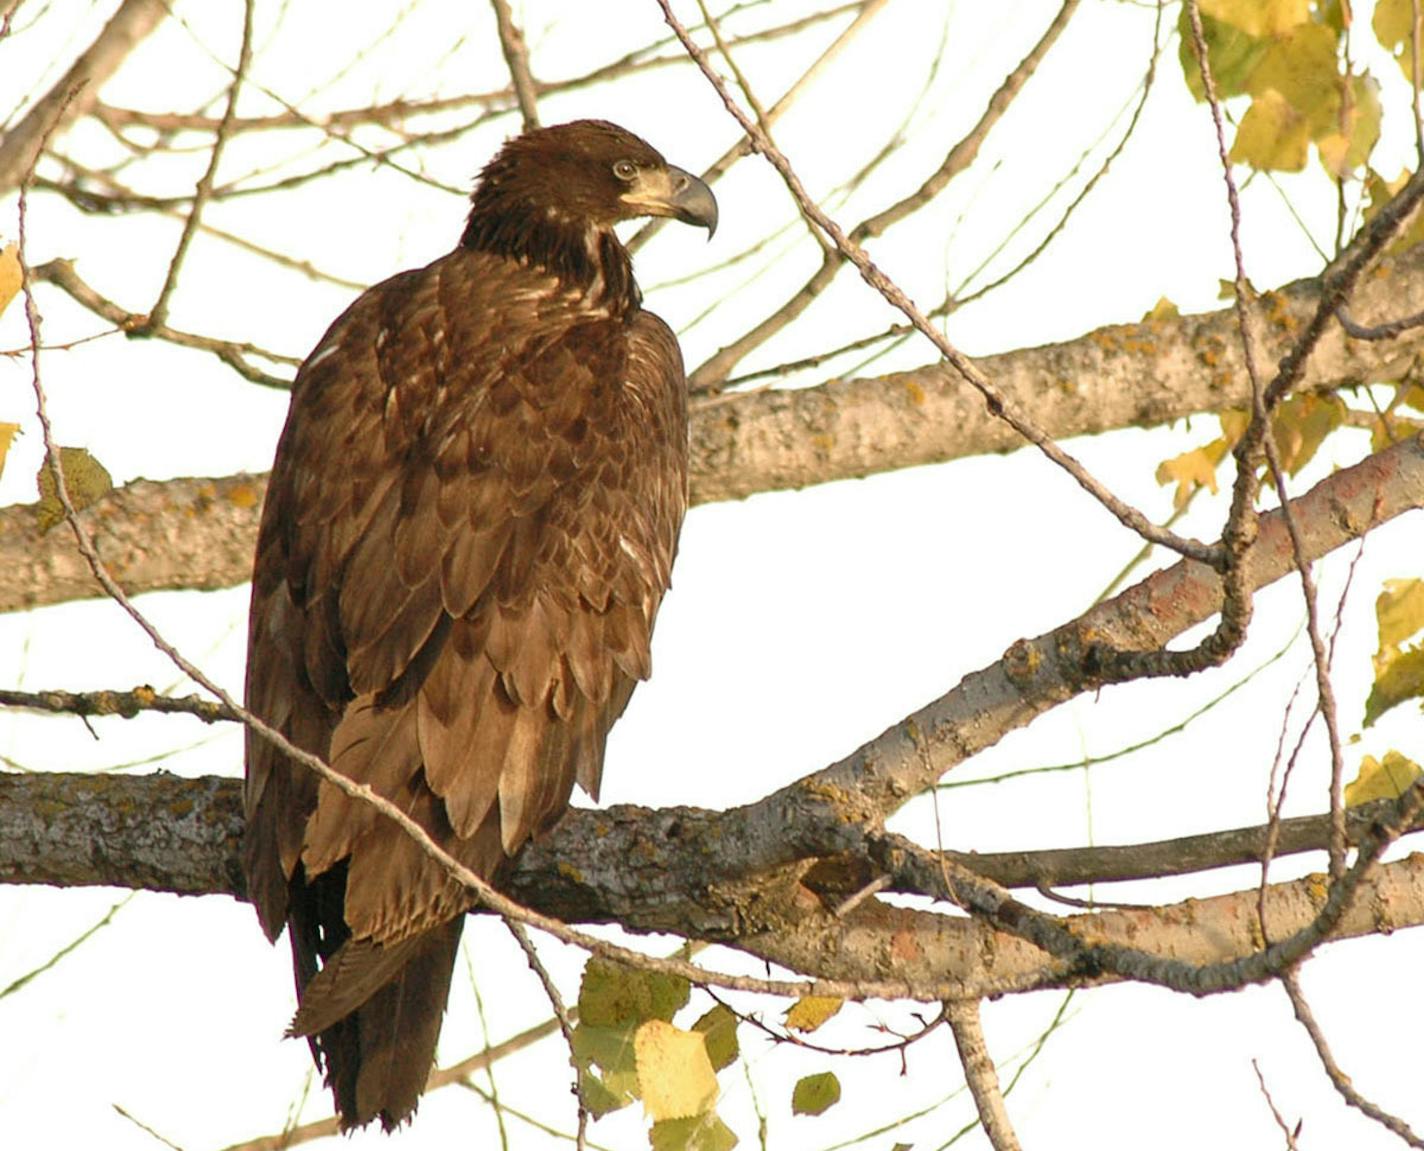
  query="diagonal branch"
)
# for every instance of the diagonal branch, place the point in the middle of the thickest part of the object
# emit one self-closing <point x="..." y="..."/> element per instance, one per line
<point x="516" y="55"/>
<point x="20" y="147"/>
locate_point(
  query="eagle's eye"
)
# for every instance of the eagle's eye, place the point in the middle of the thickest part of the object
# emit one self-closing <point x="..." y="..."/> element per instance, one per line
<point x="625" y="169"/>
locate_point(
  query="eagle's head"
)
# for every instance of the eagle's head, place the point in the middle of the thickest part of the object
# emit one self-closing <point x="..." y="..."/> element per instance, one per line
<point x="588" y="174"/>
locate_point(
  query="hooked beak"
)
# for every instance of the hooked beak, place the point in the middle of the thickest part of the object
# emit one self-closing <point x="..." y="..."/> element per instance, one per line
<point x="673" y="192"/>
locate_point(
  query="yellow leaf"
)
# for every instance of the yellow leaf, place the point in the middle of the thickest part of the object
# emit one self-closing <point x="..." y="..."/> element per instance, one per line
<point x="1163" y="309"/>
<point x="1393" y="24"/>
<point x="1399" y="676"/>
<point x="1399" y="611"/>
<point x="1272" y="136"/>
<point x="1399" y="670"/>
<point x="10" y="278"/>
<point x="7" y="434"/>
<point x="1301" y="424"/>
<point x="1259" y="17"/>
<point x="808" y="1013"/>
<point x="674" y="1073"/>
<point x="1234" y="422"/>
<point x="1386" y="780"/>
<point x="1192" y="470"/>
<point x="1303" y="68"/>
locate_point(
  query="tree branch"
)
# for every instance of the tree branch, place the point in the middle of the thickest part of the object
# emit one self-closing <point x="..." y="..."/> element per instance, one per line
<point x="200" y="532"/>
<point x="165" y="833"/>
<point x="76" y="91"/>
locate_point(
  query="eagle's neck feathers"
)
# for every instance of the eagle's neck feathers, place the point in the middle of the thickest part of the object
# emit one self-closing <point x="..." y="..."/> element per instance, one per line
<point x="589" y="259"/>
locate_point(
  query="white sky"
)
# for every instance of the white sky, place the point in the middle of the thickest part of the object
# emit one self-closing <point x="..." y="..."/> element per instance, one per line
<point x="800" y="624"/>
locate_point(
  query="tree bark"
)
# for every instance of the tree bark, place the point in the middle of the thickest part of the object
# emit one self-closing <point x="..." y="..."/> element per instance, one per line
<point x="199" y="533"/>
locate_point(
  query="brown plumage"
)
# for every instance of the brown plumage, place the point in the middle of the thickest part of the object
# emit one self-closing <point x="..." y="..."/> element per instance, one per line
<point x="469" y="527"/>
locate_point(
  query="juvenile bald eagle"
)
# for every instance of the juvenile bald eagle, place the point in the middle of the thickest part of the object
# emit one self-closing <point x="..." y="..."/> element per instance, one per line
<point x="469" y="527"/>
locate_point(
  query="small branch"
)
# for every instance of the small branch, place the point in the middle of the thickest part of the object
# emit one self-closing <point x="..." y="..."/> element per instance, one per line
<point x="1286" y="1130"/>
<point x="21" y="146"/>
<point x="561" y="1014"/>
<point x="715" y="371"/>
<point x="1385" y="331"/>
<point x="62" y="275"/>
<point x="458" y="1073"/>
<point x="980" y="1074"/>
<point x="516" y="55"/>
<point x="117" y="703"/>
<point x="999" y="405"/>
<point x="1341" y="1082"/>
<point x="158" y="314"/>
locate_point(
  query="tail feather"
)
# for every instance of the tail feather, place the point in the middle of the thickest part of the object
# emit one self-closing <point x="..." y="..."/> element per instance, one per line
<point x="372" y="1016"/>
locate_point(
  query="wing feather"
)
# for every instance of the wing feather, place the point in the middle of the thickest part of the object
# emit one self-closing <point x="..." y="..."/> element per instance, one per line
<point x="471" y="522"/>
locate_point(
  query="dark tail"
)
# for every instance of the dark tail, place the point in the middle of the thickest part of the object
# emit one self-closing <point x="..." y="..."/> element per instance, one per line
<point x="372" y="1017"/>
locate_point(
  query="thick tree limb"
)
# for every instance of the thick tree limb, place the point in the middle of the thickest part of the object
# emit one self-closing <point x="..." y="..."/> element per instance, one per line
<point x="183" y="533"/>
<point x="77" y="90"/>
<point x="189" y="533"/>
<point x="166" y="833"/>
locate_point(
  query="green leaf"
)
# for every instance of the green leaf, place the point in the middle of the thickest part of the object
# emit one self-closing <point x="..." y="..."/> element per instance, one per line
<point x="1233" y="55"/>
<point x="675" y="1077"/>
<point x="809" y="1012"/>
<point x="85" y="479"/>
<point x="700" y="1133"/>
<point x="815" y="1093"/>
<point x="611" y="1050"/>
<point x="612" y="994"/>
<point x="1355" y="131"/>
<point x="719" y="1031"/>
<point x="1387" y="779"/>
<point x="598" y="1097"/>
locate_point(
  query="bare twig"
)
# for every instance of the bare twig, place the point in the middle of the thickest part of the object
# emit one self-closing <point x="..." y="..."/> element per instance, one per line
<point x="158" y="314"/>
<point x="999" y="406"/>
<point x="441" y="1077"/>
<point x="1289" y="1132"/>
<point x="868" y="9"/>
<point x="561" y="1013"/>
<point x="1241" y="527"/>
<point x="1388" y="330"/>
<point x="714" y="372"/>
<point x="516" y="55"/>
<point x="1338" y="1079"/>
<point x="62" y="275"/>
<point x="21" y="146"/>
<point x="980" y="1074"/>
